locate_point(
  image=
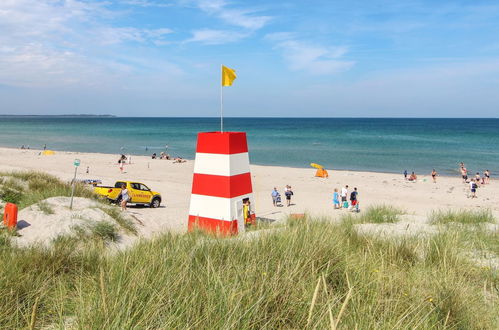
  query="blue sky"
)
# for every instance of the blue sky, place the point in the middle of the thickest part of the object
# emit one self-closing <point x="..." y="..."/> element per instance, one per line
<point x="293" y="58"/>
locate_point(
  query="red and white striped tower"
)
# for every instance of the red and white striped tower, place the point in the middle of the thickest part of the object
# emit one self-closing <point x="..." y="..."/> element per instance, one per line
<point x="220" y="182"/>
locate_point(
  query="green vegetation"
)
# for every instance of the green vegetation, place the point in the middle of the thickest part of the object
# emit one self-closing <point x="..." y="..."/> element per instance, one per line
<point x="380" y="214"/>
<point x="313" y="274"/>
<point x="125" y="223"/>
<point x="28" y="188"/>
<point x="45" y="207"/>
<point x="104" y="230"/>
<point x="463" y="216"/>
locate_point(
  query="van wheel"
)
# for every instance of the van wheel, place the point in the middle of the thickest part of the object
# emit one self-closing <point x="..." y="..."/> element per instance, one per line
<point x="155" y="203"/>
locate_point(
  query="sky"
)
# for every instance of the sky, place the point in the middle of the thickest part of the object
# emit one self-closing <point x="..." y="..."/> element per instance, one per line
<point x="296" y="58"/>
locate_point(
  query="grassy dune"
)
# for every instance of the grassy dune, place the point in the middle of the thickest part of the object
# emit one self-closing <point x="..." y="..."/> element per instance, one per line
<point x="311" y="274"/>
<point x="307" y="274"/>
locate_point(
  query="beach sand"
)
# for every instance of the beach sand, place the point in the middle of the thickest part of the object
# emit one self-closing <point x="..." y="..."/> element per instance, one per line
<point x="311" y="195"/>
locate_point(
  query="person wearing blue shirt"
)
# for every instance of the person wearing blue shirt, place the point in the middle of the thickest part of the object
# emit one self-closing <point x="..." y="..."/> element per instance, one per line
<point x="275" y="194"/>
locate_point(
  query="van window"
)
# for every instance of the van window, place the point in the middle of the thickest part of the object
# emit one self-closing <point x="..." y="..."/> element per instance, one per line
<point x="135" y="186"/>
<point x="144" y="187"/>
<point x="118" y="184"/>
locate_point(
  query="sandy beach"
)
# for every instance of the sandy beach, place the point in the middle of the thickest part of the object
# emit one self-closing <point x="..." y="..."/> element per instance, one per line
<point x="312" y="195"/>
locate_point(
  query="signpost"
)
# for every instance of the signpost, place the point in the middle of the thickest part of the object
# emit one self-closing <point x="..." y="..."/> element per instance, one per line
<point x="76" y="163"/>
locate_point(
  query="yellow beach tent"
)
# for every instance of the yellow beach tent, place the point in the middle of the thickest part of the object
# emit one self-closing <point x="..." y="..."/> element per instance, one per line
<point x="321" y="171"/>
<point x="48" y="152"/>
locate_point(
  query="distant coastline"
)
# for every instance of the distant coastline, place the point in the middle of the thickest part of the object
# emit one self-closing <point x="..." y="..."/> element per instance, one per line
<point x="59" y="116"/>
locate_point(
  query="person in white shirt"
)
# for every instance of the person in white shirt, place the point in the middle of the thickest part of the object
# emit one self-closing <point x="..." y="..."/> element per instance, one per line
<point x="344" y="193"/>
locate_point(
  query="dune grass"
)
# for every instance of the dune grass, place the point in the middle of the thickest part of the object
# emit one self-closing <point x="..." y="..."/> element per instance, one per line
<point x="115" y="213"/>
<point x="309" y="275"/>
<point x="462" y="216"/>
<point x="30" y="187"/>
<point x="380" y="214"/>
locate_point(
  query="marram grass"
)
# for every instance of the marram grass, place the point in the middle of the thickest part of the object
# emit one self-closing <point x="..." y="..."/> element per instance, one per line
<point x="309" y="275"/>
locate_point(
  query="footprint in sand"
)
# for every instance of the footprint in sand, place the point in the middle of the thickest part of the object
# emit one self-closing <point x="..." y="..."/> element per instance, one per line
<point x="450" y="190"/>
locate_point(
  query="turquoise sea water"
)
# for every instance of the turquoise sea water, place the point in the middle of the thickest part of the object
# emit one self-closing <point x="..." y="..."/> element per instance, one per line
<point x="382" y="144"/>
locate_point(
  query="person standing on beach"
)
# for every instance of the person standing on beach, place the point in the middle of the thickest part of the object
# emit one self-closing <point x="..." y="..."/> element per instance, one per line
<point x="473" y="187"/>
<point x="125" y="197"/>
<point x="486" y="174"/>
<point x="344" y="194"/>
<point x="405" y="174"/>
<point x="464" y="173"/>
<point x="336" y="199"/>
<point x="274" y="195"/>
<point x="288" y="194"/>
<point x="434" y="176"/>
<point x="353" y="198"/>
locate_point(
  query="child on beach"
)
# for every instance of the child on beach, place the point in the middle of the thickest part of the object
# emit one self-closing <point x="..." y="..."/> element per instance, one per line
<point x="473" y="187"/>
<point x="353" y="198"/>
<point x="336" y="199"/>
<point x="405" y="174"/>
<point x="344" y="194"/>
<point x="486" y="174"/>
<point x="288" y="194"/>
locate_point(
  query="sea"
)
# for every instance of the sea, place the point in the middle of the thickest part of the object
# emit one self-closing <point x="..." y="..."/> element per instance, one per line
<point x="366" y="144"/>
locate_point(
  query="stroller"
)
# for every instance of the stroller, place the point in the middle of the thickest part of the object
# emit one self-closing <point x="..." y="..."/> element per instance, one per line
<point x="278" y="199"/>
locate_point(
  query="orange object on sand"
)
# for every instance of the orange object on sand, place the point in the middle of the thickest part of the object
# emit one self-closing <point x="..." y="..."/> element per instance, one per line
<point x="322" y="173"/>
<point x="10" y="215"/>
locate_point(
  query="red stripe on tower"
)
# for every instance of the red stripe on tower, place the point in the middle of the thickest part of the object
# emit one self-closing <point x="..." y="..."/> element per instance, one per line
<point x="221" y="181"/>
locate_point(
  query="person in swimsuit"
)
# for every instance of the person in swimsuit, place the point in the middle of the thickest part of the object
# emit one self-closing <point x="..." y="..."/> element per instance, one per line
<point x="413" y="177"/>
<point x="125" y="197"/>
<point x="477" y="178"/>
<point x="464" y="173"/>
<point x="434" y="176"/>
<point x="486" y="174"/>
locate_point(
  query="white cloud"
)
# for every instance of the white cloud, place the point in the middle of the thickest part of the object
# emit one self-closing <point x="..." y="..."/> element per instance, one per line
<point x="215" y="37"/>
<point x="245" y="18"/>
<point x="55" y="43"/>
<point x="148" y="3"/>
<point x="311" y="58"/>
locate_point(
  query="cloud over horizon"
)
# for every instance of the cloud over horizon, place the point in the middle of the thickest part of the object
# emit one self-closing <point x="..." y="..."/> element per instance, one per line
<point x="381" y="58"/>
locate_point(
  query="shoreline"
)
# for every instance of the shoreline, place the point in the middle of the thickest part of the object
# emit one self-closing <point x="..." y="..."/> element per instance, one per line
<point x="253" y="164"/>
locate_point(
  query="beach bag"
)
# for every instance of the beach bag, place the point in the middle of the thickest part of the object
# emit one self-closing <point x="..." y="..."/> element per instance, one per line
<point x="345" y="204"/>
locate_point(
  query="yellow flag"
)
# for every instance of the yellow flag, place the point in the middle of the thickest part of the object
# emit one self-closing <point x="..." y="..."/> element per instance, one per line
<point x="228" y="76"/>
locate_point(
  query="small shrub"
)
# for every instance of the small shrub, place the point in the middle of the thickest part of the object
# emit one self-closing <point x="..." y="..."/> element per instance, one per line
<point x="381" y="214"/>
<point x="125" y="223"/>
<point x="463" y="216"/>
<point x="10" y="195"/>
<point x="104" y="230"/>
<point x="45" y="207"/>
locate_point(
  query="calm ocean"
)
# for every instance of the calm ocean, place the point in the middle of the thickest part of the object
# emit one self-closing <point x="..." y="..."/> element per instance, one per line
<point x="382" y="144"/>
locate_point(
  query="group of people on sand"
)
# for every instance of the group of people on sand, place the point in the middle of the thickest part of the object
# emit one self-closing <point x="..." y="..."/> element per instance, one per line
<point x="162" y="155"/>
<point x="276" y="196"/>
<point x="414" y="178"/>
<point x="354" y="199"/>
<point x="475" y="182"/>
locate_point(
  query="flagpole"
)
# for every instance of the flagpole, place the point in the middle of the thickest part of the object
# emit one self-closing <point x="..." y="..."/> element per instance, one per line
<point x="221" y="103"/>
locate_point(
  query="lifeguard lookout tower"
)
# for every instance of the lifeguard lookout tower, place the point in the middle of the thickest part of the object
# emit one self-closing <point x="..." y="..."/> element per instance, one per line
<point x="221" y="183"/>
